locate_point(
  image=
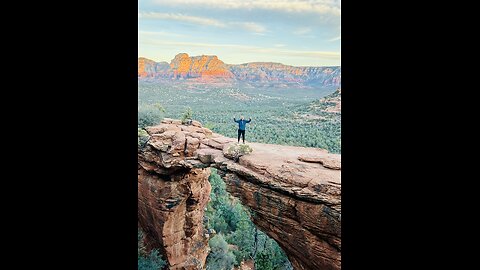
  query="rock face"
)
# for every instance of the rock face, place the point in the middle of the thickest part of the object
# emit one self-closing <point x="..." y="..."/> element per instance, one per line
<point x="330" y="104"/>
<point x="184" y="66"/>
<point x="170" y="212"/>
<point x="150" y="68"/>
<point x="172" y="196"/>
<point x="294" y="194"/>
<point x="276" y="72"/>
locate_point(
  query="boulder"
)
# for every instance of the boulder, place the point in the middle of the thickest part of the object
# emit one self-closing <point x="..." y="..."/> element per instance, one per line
<point x="328" y="161"/>
<point x="196" y="123"/>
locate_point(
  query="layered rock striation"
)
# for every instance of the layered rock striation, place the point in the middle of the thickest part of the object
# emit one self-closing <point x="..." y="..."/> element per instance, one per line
<point x="210" y="67"/>
<point x="150" y="68"/>
<point x="294" y="194"/>
<point x="184" y="66"/>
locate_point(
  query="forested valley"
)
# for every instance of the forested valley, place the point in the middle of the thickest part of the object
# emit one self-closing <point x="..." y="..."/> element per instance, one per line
<point x="299" y="117"/>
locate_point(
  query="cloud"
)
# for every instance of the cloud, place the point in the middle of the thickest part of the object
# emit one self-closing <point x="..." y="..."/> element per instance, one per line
<point x="335" y="38"/>
<point x="196" y="44"/>
<point x="248" y="26"/>
<point x="181" y="18"/>
<point x="331" y="7"/>
<point x="302" y="31"/>
<point x="160" y="33"/>
<point x="278" y="45"/>
<point x="295" y="53"/>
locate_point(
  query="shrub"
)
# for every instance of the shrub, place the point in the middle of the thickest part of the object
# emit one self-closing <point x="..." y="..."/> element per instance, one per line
<point x="150" y="115"/>
<point x="142" y="137"/>
<point x="245" y="149"/>
<point x="235" y="150"/>
<point x="187" y="115"/>
<point x="209" y="125"/>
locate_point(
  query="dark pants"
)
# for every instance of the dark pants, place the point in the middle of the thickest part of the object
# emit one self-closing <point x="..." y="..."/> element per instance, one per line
<point x="242" y="132"/>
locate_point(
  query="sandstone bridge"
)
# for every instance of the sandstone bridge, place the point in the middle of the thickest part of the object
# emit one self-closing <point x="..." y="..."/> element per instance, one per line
<point x="294" y="194"/>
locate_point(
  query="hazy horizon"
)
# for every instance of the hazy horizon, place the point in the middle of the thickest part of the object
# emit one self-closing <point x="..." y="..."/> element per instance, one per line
<point x="219" y="57"/>
<point x="296" y="33"/>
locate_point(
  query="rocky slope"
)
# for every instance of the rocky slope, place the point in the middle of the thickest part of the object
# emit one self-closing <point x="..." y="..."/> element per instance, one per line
<point x="329" y="104"/>
<point x="184" y="66"/>
<point x="276" y="72"/>
<point x="149" y="68"/>
<point x="293" y="192"/>
<point x="210" y="67"/>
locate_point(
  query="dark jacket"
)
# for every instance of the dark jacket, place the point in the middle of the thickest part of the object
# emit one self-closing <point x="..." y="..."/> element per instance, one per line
<point x="242" y="123"/>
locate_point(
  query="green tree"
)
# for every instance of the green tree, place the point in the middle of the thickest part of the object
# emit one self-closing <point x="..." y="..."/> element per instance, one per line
<point x="219" y="208"/>
<point x="159" y="107"/>
<point x="263" y="261"/>
<point x="243" y="238"/>
<point x="150" y="115"/>
<point x="148" y="260"/>
<point x="151" y="261"/>
<point x="187" y="114"/>
<point x="220" y="258"/>
<point x="232" y="220"/>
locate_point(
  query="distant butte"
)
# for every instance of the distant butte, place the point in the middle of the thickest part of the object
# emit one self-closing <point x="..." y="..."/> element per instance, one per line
<point x="210" y="68"/>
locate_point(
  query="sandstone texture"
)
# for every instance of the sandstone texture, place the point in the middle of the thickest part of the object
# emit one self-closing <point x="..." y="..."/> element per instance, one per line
<point x="170" y="212"/>
<point x="276" y="72"/>
<point x="185" y="66"/>
<point x="209" y="67"/>
<point x="150" y="68"/>
<point x="294" y="194"/>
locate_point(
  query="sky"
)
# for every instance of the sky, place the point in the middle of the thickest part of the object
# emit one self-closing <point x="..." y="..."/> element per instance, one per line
<point x="292" y="32"/>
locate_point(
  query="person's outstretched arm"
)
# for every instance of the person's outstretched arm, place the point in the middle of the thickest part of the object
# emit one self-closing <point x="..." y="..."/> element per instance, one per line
<point x="236" y="121"/>
<point x="249" y="120"/>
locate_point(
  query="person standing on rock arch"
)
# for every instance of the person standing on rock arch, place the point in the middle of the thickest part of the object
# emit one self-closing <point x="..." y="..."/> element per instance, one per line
<point x="242" y="123"/>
